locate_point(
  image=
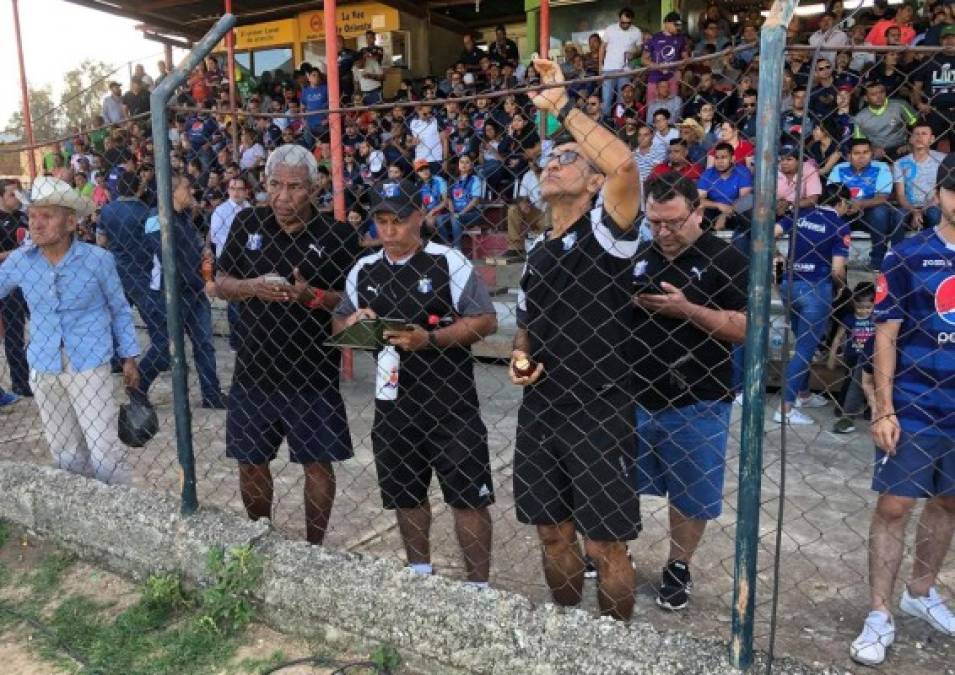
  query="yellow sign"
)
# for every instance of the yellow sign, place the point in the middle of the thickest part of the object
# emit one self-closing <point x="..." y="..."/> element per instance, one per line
<point x="267" y="34"/>
<point x="351" y="21"/>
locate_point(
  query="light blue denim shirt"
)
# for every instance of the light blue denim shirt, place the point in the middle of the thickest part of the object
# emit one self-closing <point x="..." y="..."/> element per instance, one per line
<point x="77" y="305"/>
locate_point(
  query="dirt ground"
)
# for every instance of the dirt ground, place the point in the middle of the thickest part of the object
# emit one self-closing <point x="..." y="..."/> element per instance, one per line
<point x="827" y="506"/>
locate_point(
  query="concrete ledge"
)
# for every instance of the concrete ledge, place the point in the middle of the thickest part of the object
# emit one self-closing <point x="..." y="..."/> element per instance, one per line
<point x="440" y="625"/>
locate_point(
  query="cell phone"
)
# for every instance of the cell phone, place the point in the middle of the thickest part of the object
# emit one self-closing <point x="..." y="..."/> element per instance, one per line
<point x="646" y="286"/>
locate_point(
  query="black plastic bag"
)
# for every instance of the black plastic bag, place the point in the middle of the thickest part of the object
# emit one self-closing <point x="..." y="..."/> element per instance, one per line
<point x="138" y="421"/>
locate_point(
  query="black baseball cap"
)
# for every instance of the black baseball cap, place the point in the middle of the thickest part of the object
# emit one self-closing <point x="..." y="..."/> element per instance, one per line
<point x="945" y="178"/>
<point x="401" y="198"/>
<point x="673" y="17"/>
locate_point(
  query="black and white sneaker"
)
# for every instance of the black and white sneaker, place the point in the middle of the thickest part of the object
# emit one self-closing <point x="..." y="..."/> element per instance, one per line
<point x="675" y="586"/>
<point x="590" y="570"/>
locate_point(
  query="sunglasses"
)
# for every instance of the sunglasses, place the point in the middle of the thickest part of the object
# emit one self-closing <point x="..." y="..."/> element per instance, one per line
<point x="563" y="158"/>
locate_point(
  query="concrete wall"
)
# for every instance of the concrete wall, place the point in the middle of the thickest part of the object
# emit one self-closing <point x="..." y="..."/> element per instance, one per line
<point x="440" y="626"/>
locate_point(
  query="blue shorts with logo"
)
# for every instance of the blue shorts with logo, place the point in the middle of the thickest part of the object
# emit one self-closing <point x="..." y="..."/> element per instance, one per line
<point x="681" y="454"/>
<point x="923" y="465"/>
<point x="313" y="423"/>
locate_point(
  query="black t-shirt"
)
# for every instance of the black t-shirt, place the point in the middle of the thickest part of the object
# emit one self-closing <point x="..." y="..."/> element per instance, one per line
<point x="136" y="103"/>
<point x="504" y="54"/>
<point x="9" y="224"/>
<point x="937" y="76"/>
<point x="281" y="344"/>
<point x="574" y="302"/>
<point x="675" y="363"/>
<point x="471" y="58"/>
<point x="430" y="289"/>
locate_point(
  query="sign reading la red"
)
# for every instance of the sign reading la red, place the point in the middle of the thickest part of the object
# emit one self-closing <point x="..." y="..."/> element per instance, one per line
<point x="351" y="21"/>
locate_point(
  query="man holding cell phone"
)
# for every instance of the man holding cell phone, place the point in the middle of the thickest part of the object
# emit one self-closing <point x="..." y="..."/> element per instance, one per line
<point x="690" y="296"/>
<point x="284" y="265"/>
<point x="427" y="417"/>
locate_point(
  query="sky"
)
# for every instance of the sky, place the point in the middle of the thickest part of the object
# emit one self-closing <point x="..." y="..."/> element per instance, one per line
<point x="57" y="36"/>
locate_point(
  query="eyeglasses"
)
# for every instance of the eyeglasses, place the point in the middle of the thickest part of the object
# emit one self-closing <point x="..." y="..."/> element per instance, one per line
<point x="674" y="225"/>
<point x="563" y="158"/>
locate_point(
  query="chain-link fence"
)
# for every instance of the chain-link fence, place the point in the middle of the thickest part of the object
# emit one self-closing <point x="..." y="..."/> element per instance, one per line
<point x="546" y="312"/>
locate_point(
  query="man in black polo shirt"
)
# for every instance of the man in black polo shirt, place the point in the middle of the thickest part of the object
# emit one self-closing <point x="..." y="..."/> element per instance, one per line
<point x="690" y="297"/>
<point x="471" y="55"/>
<point x="574" y="456"/>
<point x="284" y="265"/>
<point x="13" y="308"/>
<point x="426" y="404"/>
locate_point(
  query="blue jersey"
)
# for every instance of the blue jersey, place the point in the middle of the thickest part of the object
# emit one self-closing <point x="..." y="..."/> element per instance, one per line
<point x="917" y="289"/>
<point x="315" y="99"/>
<point x="433" y="192"/>
<point x="463" y="191"/>
<point x="725" y="190"/>
<point x="874" y="179"/>
<point x="821" y="235"/>
<point x="860" y="332"/>
<point x="199" y="130"/>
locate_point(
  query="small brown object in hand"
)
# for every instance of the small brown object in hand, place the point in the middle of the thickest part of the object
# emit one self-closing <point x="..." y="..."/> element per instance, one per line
<point x="524" y="367"/>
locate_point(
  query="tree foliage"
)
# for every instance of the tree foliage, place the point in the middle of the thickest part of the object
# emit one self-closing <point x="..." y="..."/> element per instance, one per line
<point x="83" y="90"/>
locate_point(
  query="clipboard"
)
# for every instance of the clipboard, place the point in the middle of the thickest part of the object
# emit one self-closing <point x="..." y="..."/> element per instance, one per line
<point x="366" y="334"/>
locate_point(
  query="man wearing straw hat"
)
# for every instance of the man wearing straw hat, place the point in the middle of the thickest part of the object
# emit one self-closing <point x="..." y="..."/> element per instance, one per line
<point x="77" y="311"/>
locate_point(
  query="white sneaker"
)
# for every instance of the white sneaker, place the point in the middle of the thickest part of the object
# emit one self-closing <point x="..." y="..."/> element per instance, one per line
<point x="793" y="418"/>
<point x="814" y="401"/>
<point x="931" y="609"/>
<point x="878" y="634"/>
<point x="738" y="401"/>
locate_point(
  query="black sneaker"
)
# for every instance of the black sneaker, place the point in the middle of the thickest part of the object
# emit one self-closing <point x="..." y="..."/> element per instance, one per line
<point x="675" y="586"/>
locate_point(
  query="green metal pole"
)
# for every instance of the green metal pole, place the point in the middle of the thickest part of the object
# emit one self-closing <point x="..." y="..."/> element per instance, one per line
<point x="180" y="390"/>
<point x="772" y="56"/>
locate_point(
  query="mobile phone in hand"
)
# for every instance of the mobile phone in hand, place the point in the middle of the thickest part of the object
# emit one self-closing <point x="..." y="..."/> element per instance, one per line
<point x="647" y="286"/>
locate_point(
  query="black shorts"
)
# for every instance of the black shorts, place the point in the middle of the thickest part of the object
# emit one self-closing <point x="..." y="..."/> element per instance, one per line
<point x="409" y="445"/>
<point x="314" y="424"/>
<point x="579" y="464"/>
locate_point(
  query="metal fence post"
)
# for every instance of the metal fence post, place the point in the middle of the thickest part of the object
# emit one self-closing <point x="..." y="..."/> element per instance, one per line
<point x="158" y="100"/>
<point x="772" y="56"/>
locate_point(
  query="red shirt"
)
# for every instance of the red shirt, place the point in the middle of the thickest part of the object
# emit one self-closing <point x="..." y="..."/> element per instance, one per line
<point x="744" y="149"/>
<point x="691" y="170"/>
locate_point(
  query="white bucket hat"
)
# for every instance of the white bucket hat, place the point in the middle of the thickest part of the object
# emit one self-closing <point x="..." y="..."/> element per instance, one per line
<point x="49" y="191"/>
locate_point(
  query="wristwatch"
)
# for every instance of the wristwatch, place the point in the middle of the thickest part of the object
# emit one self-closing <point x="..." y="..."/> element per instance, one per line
<point x="563" y="112"/>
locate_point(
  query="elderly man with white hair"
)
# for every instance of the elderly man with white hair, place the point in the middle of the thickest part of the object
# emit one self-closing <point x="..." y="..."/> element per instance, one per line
<point x="284" y="264"/>
<point x="77" y="311"/>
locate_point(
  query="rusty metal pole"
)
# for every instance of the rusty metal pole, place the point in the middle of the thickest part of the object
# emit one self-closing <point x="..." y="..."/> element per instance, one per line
<point x="333" y="81"/>
<point x="230" y="64"/>
<point x="25" y="92"/>
<point x="544" y="52"/>
<point x="772" y="47"/>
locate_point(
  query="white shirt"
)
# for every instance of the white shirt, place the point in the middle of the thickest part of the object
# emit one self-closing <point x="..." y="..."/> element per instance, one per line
<point x="113" y="112"/>
<point x="530" y="187"/>
<point x="429" y="140"/>
<point x="837" y="39"/>
<point x="221" y="223"/>
<point x="251" y="155"/>
<point x="619" y="43"/>
<point x="372" y="67"/>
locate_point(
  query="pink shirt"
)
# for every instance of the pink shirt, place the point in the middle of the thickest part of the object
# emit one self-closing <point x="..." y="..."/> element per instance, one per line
<point x="811" y="185"/>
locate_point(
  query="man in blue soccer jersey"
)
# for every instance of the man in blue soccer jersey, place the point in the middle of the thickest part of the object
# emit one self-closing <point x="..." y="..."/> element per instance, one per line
<point x="821" y="247"/>
<point x="913" y="425"/>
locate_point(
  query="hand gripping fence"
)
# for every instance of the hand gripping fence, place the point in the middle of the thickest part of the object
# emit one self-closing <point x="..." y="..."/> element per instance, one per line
<point x="630" y="335"/>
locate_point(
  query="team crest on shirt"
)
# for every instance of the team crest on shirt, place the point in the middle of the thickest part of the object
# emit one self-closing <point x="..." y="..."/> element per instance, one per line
<point x="881" y="289"/>
<point x="254" y="242"/>
<point x="569" y="241"/>
<point x="425" y="285"/>
<point x="640" y="268"/>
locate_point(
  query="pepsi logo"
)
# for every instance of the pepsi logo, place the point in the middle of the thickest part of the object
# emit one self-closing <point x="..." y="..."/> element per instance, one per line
<point x="881" y="289"/>
<point x="945" y="300"/>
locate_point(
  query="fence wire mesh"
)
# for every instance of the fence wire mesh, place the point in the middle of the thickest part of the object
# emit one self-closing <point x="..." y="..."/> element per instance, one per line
<point x="453" y="295"/>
